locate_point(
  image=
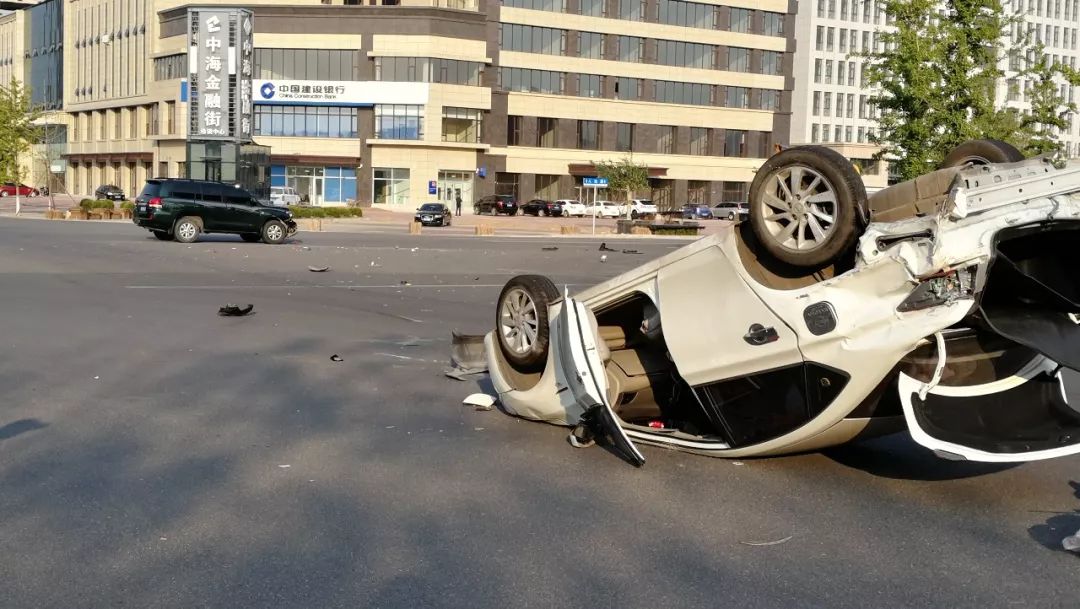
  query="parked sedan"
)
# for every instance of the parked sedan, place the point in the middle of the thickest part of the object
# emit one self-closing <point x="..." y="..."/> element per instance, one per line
<point x="695" y="211"/>
<point x="730" y="211"/>
<point x="434" y="214"/>
<point x="10" y="189"/>
<point x="605" y="209"/>
<point x="109" y="192"/>
<point x="572" y="208"/>
<point x="495" y="205"/>
<point x="540" y="207"/>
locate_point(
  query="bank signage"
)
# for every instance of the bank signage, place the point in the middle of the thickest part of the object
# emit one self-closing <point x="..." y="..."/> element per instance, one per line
<point x="221" y="53"/>
<point x="338" y="93"/>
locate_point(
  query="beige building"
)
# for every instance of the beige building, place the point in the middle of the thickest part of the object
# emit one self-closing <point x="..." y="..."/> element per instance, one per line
<point x="403" y="104"/>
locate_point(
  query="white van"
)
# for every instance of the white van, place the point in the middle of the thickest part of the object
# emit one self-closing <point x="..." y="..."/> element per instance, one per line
<point x="283" y="196"/>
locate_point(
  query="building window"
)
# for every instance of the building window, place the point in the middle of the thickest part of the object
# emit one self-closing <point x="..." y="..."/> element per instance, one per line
<point x="850" y="105"/>
<point x="424" y="69"/>
<point x="821" y="9"/>
<point x="531" y="81"/>
<point x="507" y="184"/>
<point x="829" y="39"/>
<point x="683" y="93"/>
<point x="588" y="135"/>
<point x="513" y="130"/>
<point x="814" y="133"/>
<point x="591" y="45"/>
<point x="632" y="10"/>
<point x="305" y="121"/>
<point x="843" y="40"/>
<point x="774" y="24"/>
<point x="832" y="9"/>
<point x="685" y="54"/>
<point x="665" y="144"/>
<point x="170" y="67"/>
<point x="461" y="124"/>
<point x="836" y="134"/>
<point x="624" y="137"/>
<point x="153" y="118"/>
<point x="847" y="134"/>
<point x="819" y="40"/>
<point x="817" y="70"/>
<point x="686" y="14"/>
<point x="851" y="73"/>
<point x="772" y="62"/>
<point x="546" y="129"/>
<point x="629" y="48"/>
<point x="817" y="103"/>
<point x="1013" y="87"/>
<point x="734" y="192"/>
<point x="628" y="88"/>
<point x="737" y="97"/>
<point x="554" y="6"/>
<point x="699" y="141"/>
<point x="828" y="71"/>
<point x="390" y="185"/>
<point x="740" y="20"/>
<point x="840" y="72"/>
<point x="546" y="187"/>
<point x="306" y="64"/>
<point x="827" y="108"/>
<point x="399" y="122"/>
<point x="532" y="39"/>
<point x="862" y="135"/>
<point x="592" y="8"/>
<point x="170" y="117"/>
<point x="589" y="85"/>
<point x="738" y="59"/>
<point x="770" y="100"/>
<point x="118" y="124"/>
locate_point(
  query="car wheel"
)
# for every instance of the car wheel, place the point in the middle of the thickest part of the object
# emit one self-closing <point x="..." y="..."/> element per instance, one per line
<point x="634" y="215"/>
<point x="162" y="235"/>
<point x="34" y="193"/>
<point x="251" y="237"/>
<point x="521" y="321"/>
<point x="187" y="229"/>
<point x="982" y="152"/>
<point x="731" y="217"/>
<point x="805" y="205"/>
<point x="274" y="232"/>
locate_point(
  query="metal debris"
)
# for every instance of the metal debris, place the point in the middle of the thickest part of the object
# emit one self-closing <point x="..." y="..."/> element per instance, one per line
<point x="480" y="401"/>
<point x="336" y="358"/>
<point x="550" y="249"/>
<point x="767" y="543"/>
<point x="318" y="269"/>
<point x="605" y="248"/>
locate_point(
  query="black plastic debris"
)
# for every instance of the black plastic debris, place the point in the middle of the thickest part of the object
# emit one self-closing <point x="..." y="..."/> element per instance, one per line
<point x="550" y="249"/>
<point x="631" y="252"/>
<point x="231" y="310"/>
<point x="403" y="282"/>
<point x="318" y="269"/>
<point x="336" y="358"/>
<point x="605" y="248"/>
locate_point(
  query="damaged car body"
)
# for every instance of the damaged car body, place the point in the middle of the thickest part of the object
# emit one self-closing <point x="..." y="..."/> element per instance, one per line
<point x="944" y="305"/>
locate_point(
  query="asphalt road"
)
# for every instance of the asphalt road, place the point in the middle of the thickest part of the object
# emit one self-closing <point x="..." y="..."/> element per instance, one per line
<point x="153" y="454"/>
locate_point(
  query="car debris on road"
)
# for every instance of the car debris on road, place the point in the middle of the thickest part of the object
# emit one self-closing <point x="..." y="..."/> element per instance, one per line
<point x="231" y="310"/>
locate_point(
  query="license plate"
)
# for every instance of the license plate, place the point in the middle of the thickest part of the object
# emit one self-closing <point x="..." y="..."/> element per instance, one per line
<point x="142" y="208"/>
<point x="427" y="218"/>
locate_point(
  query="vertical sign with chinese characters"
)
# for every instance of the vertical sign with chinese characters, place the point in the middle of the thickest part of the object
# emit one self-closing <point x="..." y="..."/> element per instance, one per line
<point x="220" y="58"/>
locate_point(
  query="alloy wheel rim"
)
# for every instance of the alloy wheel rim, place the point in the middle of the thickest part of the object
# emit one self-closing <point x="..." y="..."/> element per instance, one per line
<point x="519" y="322"/>
<point x="273" y="232"/>
<point x="800" y="206"/>
<point x="186" y="230"/>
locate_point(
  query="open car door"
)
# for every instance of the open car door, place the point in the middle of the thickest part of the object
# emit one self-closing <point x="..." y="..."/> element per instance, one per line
<point x="583" y="370"/>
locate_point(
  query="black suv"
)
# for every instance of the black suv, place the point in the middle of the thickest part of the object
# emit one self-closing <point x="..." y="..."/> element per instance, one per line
<point x="183" y="209"/>
<point x="496" y="204"/>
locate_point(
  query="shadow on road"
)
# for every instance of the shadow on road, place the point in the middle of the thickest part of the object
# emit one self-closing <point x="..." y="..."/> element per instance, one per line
<point x="898" y="457"/>
<point x="1059" y="526"/>
<point x="20" y="427"/>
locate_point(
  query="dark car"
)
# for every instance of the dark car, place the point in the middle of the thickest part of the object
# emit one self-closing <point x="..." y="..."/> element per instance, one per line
<point x="540" y="207"/>
<point x="183" y="209"/>
<point x="434" y="214"/>
<point x="695" y="211"/>
<point x="109" y="192"/>
<point x="496" y="204"/>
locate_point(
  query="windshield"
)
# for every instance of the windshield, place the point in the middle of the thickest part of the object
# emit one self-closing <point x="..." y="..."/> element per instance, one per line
<point x="431" y="207"/>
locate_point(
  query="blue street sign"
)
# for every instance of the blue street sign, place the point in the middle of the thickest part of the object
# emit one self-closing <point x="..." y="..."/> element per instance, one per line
<point x="594" y="182"/>
<point x="432" y="187"/>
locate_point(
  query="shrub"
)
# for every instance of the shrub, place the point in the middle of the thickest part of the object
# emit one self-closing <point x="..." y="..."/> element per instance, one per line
<point x="89" y="204"/>
<point x="326" y="212"/>
<point x="127" y="205"/>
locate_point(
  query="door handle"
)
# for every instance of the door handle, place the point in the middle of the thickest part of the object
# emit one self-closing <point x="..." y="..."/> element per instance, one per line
<point x="760" y="335"/>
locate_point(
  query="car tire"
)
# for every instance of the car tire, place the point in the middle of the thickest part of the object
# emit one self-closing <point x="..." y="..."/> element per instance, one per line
<point x="521" y="320"/>
<point x="810" y="233"/>
<point x="162" y="235"/>
<point x="34" y="193"/>
<point x="274" y="232"/>
<point x="982" y="152"/>
<point x="187" y="229"/>
<point x="251" y="237"/>
<point x="731" y="217"/>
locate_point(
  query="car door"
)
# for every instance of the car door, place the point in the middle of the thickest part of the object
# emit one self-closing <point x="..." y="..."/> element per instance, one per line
<point x="240" y="210"/>
<point x="583" y="371"/>
<point x="748" y="338"/>
<point x="214" y="212"/>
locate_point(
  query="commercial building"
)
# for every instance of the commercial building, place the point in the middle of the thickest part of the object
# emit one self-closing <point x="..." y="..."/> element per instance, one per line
<point x="831" y="96"/>
<point x="416" y="100"/>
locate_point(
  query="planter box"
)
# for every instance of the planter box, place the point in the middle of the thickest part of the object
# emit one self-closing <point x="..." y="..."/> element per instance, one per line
<point x="96" y="214"/>
<point x="415" y="228"/>
<point x="55" y="214"/>
<point x="124" y="214"/>
<point x="568" y="230"/>
<point x="485" y="230"/>
<point x="76" y="213"/>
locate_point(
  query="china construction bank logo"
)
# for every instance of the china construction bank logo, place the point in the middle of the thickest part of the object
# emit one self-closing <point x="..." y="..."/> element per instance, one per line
<point x="268" y="90"/>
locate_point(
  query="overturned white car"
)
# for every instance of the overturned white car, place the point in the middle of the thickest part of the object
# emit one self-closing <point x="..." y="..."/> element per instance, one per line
<point x="947" y="304"/>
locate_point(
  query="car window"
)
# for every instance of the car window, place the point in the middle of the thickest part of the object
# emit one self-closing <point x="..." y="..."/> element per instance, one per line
<point x="212" y="193"/>
<point x="237" y="196"/>
<point x="151" y="190"/>
<point x="431" y="207"/>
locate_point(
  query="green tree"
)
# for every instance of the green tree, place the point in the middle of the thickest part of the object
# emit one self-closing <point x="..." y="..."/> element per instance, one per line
<point x="625" y="177"/>
<point x="1050" y="114"/>
<point x="936" y="75"/>
<point x="17" y="129"/>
